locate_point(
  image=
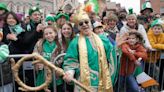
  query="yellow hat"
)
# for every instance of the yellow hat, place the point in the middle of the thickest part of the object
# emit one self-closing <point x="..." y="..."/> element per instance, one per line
<point x="80" y="15"/>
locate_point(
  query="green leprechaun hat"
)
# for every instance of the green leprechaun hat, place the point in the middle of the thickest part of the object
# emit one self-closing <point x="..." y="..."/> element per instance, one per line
<point x="33" y="9"/>
<point x="131" y="13"/>
<point x="62" y="14"/>
<point x="3" y="7"/>
<point x="146" y="5"/>
<point x="157" y="22"/>
<point x="50" y="18"/>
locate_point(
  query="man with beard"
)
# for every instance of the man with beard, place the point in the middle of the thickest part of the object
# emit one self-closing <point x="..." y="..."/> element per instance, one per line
<point x="31" y="35"/>
<point x="122" y="18"/>
<point x="146" y="14"/>
<point x="146" y="8"/>
<point x="33" y="30"/>
<point x="87" y="57"/>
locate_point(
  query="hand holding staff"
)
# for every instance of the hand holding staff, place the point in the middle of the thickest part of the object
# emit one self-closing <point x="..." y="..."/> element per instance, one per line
<point x="50" y="66"/>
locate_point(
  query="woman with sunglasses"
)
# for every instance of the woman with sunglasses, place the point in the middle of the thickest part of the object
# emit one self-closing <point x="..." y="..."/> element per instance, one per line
<point x="87" y="57"/>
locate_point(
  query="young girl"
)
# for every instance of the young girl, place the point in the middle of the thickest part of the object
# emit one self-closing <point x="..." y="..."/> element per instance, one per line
<point x="67" y="35"/>
<point x="49" y="48"/>
<point x="132" y="50"/>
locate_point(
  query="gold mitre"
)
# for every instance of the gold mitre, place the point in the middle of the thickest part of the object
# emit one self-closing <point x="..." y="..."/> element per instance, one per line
<point x="80" y="15"/>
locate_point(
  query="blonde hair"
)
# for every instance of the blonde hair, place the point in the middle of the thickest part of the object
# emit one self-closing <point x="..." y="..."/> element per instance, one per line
<point x="52" y="27"/>
<point x="112" y="17"/>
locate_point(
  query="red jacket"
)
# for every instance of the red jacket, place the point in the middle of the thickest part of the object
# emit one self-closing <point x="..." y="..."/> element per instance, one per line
<point x="128" y="59"/>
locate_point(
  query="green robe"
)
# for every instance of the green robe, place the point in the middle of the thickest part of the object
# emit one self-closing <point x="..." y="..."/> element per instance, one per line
<point x="71" y="59"/>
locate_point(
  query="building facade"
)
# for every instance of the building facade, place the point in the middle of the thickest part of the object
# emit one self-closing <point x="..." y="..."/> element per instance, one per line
<point x="47" y="6"/>
<point x="157" y="5"/>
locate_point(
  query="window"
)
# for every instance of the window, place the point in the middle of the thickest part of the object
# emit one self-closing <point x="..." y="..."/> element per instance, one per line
<point x="162" y="10"/>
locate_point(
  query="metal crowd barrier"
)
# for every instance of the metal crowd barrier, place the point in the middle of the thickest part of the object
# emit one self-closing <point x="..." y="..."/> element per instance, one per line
<point x="26" y="70"/>
<point x="152" y="67"/>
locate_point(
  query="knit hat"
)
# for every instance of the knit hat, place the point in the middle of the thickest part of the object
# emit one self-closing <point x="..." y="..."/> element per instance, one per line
<point x="62" y="14"/>
<point x="131" y="13"/>
<point x="3" y="7"/>
<point x="146" y="5"/>
<point x="33" y="9"/>
<point x="4" y="53"/>
<point x="97" y="24"/>
<point x="50" y="18"/>
<point x="157" y="22"/>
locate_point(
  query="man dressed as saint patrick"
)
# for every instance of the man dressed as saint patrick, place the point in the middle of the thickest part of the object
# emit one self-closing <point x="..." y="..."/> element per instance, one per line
<point x="87" y="57"/>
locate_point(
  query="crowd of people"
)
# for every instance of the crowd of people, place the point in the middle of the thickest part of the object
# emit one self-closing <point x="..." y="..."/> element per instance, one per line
<point x="104" y="51"/>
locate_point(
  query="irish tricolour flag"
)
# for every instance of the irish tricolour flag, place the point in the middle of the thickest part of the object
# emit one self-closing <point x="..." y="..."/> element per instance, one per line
<point x="92" y="6"/>
<point x="144" y="79"/>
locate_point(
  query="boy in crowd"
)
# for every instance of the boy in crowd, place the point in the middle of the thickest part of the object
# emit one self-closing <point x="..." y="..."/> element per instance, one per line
<point x="156" y="38"/>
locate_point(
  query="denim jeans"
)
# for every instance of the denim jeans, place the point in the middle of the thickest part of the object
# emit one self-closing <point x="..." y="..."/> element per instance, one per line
<point x="130" y="85"/>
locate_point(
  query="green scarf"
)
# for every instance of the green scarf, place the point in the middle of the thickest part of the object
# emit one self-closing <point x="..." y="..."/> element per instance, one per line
<point x="16" y="29"/>
<point x="48" y="48"/>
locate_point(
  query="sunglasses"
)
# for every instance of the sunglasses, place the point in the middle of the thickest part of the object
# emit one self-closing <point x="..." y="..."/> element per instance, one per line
<point x="82" y="22"/>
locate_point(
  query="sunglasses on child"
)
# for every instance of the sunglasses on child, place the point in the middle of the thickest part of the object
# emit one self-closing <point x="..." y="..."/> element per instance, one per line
<point x="82" y="22"/>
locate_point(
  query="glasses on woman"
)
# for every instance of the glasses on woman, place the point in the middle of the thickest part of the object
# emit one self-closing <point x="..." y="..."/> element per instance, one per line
<point x="83" y="22"/>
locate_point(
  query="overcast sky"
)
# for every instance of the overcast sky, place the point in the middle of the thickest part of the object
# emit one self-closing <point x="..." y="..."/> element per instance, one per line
<point x="135" y="4"/>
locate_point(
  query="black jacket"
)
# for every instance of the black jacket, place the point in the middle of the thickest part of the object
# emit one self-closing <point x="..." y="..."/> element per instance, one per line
<point x="15" y="47"/>
<point x="31" y="37"/>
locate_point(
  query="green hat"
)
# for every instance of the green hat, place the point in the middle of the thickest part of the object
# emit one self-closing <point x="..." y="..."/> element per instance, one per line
<point x="55" y="18"/>
<point x="157" y="22"/>
<point x="131" y="13"/>
<point x="50" y="18"/>
<point x="3" y="7"/>
<point x="33" y="9"/>
<point x="146" y="5"/>
<point x="62" y="14"/>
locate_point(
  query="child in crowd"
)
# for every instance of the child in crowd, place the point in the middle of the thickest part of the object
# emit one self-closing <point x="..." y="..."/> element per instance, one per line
<point x="67" y="35"/>
<point x="156" y="38"/>
<point x="5" y="78"/>
<point x="98" y="29"/>
<point x="49" y="47"/>
<point x="132" y="50"/>
<point x="156" y="35"/>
